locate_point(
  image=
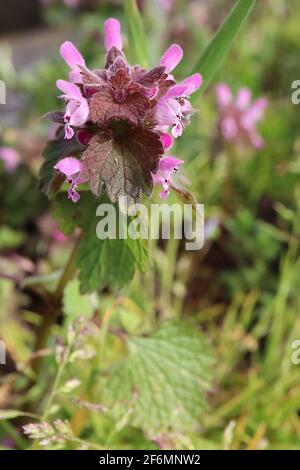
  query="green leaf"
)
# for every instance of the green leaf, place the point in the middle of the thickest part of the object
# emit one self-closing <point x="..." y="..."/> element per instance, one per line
<point x="139" y="250"/>
<point x="163" y="381"/>
<point x="9" y="414"/>
<point x="69" y="215"/>
<point x="212" y="57"/>
<point x="10" y="238"/>
<point x="12" y="414"/>
<point x="53" y="152"/>
<point x="136" y="33"/>
<point x="76" y="304"/>
<point x="104" y="263"/>
<point x="108" y="262"/>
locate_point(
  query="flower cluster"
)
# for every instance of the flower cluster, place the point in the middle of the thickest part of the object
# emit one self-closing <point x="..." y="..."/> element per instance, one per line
<point x="239" y="117"/>
<point x="47" y="434"/>
<point x="124" y="119"/>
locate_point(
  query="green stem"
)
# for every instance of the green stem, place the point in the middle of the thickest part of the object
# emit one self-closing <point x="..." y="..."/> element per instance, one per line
<point x="57" y="382"/>
<point x="53" y="310"/>
<point x="87" y="443"/>
<point x="167" y="279"/>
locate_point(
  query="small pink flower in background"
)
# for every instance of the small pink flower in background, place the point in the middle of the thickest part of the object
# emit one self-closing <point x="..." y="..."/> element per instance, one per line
<point x="10" y="157"/>
<point x="72" y="3"/>
<point x="71" y="168"/>
<point x="50" y="229"/>
<point x="240" y="116"/>
<point x="168" y="166"/>
<point x="166" y="5"/>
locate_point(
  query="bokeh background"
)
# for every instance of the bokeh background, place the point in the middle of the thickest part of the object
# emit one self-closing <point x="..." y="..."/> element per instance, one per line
<point x="241" y="289"/>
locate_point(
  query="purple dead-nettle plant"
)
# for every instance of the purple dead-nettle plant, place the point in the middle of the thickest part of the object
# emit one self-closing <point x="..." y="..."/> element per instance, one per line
<point x="125" y="118"/>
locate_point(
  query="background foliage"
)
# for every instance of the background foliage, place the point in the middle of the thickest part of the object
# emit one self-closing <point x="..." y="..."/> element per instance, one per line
<point x="194" y="352"/>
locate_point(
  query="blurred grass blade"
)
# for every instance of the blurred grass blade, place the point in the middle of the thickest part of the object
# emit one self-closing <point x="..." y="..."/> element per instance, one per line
<point x="220" y="44"/>
<point x="136" y="33"/>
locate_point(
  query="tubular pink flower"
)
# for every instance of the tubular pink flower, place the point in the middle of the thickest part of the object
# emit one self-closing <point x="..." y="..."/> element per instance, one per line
<point x="192" y="83"/>
<point x="167" y="140"/>
<point x="71" y="168"/>
<point x="173" y="108"/>
<point x="10" y="157"/>
<point x="171" y="57"/>
<point x="74" y="60"/>
<point x="112" y="34"/>
<point x="167" y="167"/>
<point x="77" y="109"/>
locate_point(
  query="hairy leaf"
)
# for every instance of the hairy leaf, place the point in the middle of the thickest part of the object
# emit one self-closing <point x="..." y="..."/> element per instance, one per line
<point x="104" y="108"/>
<point x="109" y="262"/>
<point x="69" y="215"/>
<point x="104" y="263"/>
<point x="163" y="381"/>
<point x="121" y="165"/>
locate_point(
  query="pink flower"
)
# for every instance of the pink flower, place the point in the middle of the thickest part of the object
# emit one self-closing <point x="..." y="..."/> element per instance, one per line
<point x="174" y="108"/>
<point x="171" y="57"/>
<point x="50" y="229"/>
<point x="74" y="60"/>
<point x="10" y="158"/>
<point x="239" y="117"/>
<point x="166" y="5"/>
<point x="167" y="167"/>
<point x="72" y="3"/>
<point x="71" y="168"/>
<point x="112" y="34"/>
<point x="167" y="140"/>
<point x="77" y="109"/>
